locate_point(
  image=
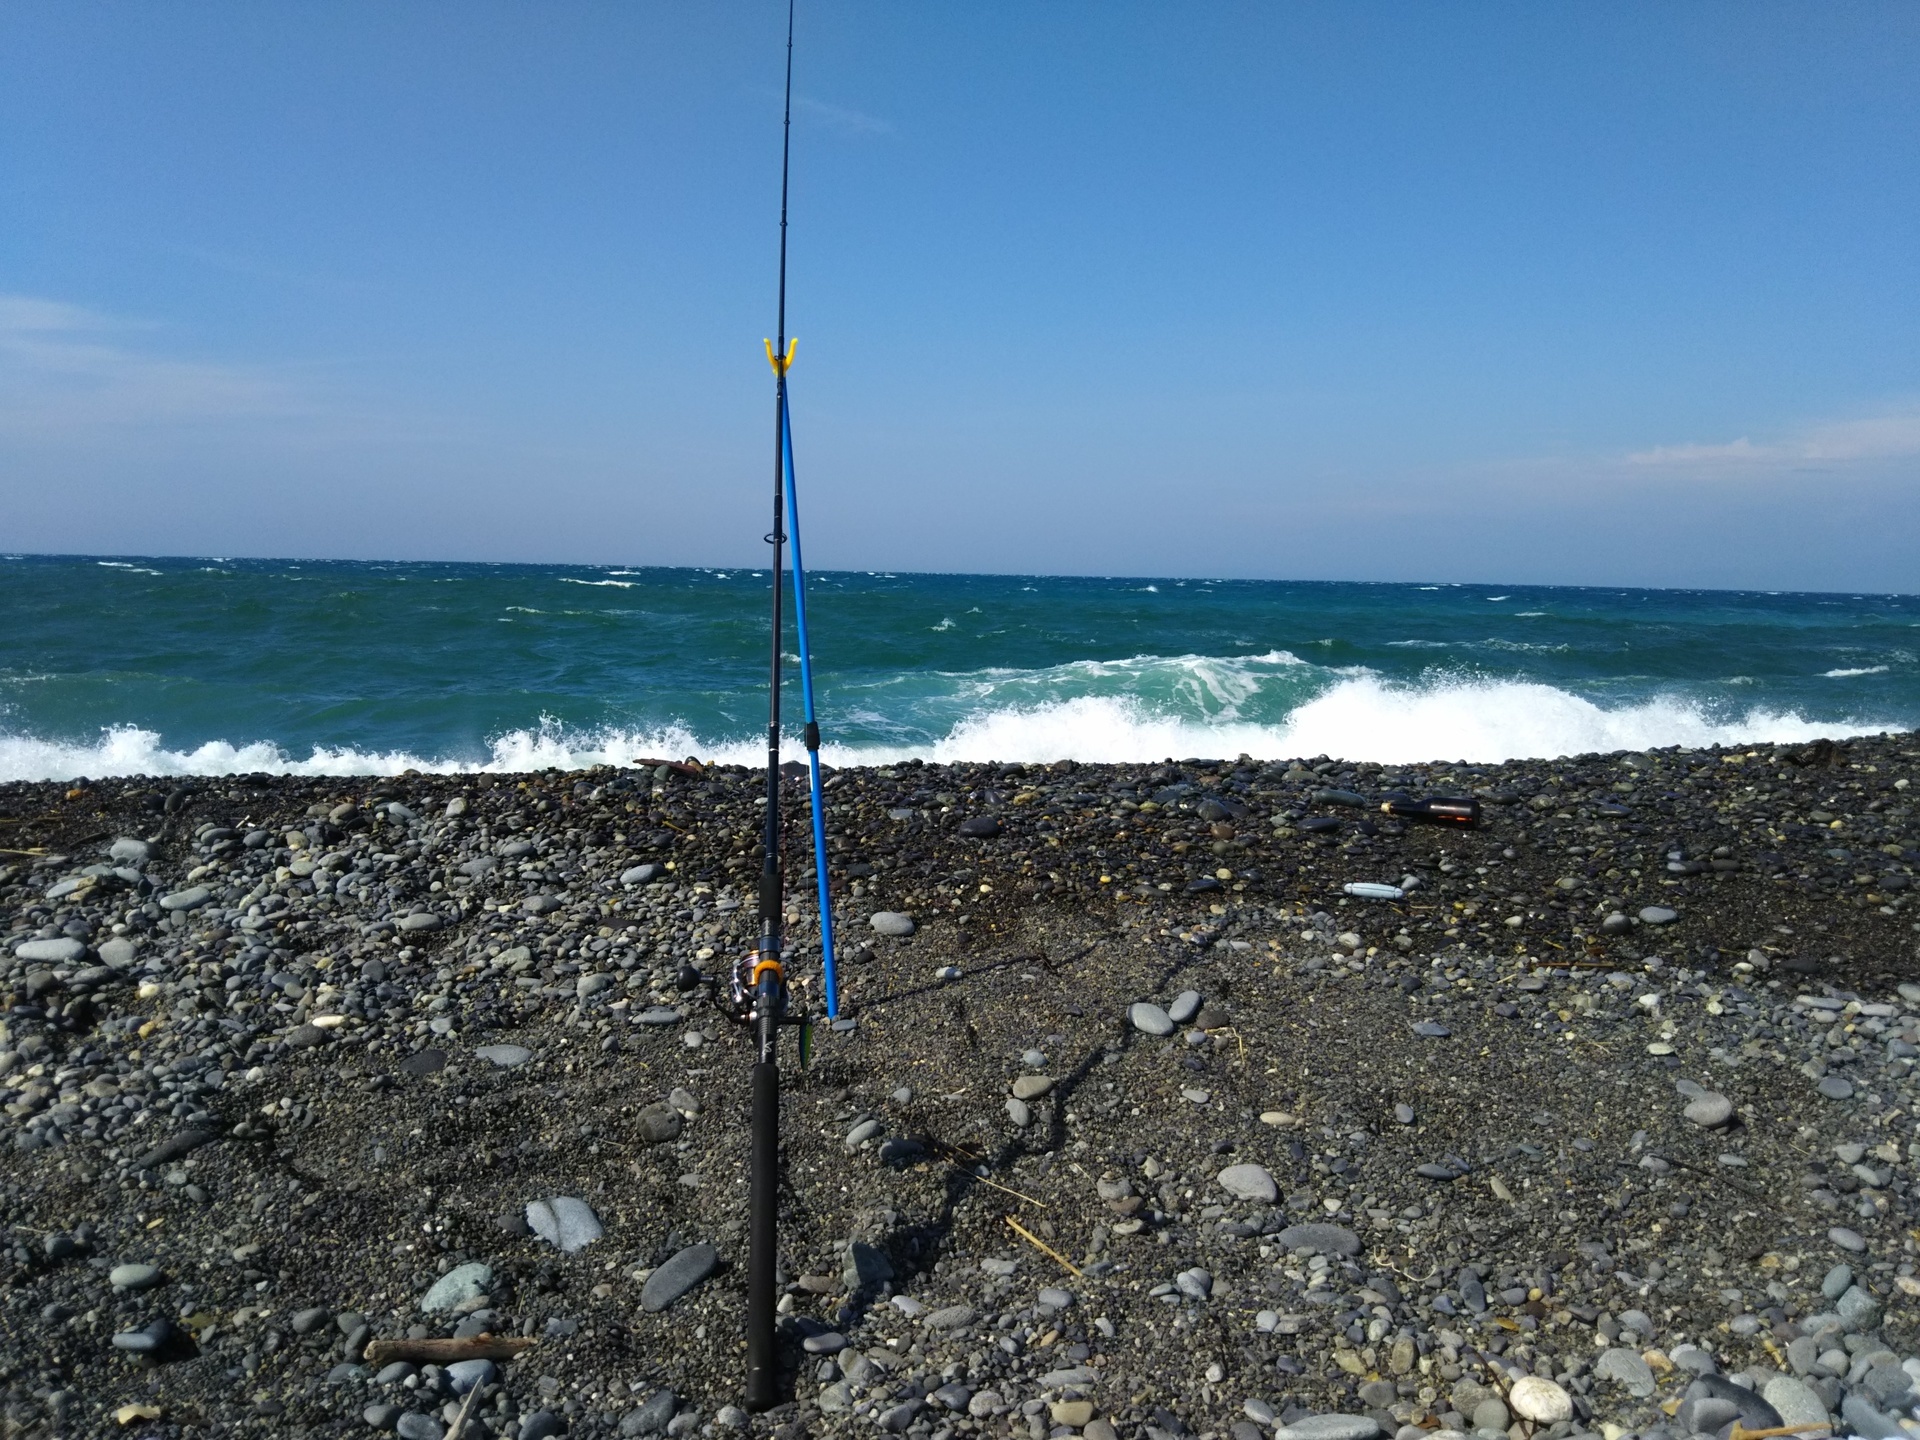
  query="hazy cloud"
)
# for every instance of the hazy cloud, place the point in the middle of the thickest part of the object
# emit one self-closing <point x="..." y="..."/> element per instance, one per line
<point x="1890" y="436"/>
<point x="65" y="369"/>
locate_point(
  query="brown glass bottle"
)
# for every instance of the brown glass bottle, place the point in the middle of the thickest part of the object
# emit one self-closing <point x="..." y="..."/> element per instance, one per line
<point x="1436" y="810"/>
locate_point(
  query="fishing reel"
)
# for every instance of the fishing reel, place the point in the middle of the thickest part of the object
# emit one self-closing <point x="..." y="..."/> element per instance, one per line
<point x="740" y="1000"/>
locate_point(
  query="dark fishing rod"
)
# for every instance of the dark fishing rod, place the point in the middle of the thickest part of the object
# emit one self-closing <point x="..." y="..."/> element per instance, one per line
<point x="760" y="983"/>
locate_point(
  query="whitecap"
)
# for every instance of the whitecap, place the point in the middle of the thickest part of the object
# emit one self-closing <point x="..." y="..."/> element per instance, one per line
<point x="1849" y="674"/>
<point x="946" y="623"/>
<point x="1523" y="615"/>
<point x="1492" y="598"/>
<point x="622" y="584"/>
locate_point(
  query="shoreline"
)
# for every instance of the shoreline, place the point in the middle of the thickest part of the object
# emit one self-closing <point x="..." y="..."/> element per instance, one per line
<point x="312" y="1017"/>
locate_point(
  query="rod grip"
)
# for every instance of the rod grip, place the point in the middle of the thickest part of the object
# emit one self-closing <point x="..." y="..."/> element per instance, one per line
<point x="763" y="1240"/>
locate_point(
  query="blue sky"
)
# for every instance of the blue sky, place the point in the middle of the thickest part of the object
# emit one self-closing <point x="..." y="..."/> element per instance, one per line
<point x="1586" y="293"/>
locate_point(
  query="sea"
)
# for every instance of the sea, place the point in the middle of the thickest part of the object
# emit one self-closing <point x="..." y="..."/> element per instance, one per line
<point x="120" y="666"/>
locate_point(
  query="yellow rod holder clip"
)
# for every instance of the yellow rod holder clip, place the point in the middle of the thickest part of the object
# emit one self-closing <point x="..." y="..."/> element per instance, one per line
<point x="781" y="366"/>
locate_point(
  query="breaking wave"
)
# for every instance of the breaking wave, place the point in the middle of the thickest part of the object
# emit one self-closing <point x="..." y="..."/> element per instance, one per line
<point x="1196" y="708"/>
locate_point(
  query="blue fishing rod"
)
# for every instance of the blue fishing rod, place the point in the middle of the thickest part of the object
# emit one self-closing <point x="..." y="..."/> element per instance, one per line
<point x="760" y="984"/>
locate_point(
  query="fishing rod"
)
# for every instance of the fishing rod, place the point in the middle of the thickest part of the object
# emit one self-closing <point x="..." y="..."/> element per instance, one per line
<point x="759" y="990"/>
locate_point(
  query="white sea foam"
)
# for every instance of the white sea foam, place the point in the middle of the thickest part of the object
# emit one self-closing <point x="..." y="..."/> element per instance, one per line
<point x="1360" y="717"/>
<point x="622" y="584"/>
<point x="1849" y="674"/>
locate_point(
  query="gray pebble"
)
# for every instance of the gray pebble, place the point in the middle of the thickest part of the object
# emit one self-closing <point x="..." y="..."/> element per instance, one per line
<point x="1866" y="1421"/>
<point x="1795" y="1401"/>
<point x="1330" y="1427"/>
<point x="462" y="1283"/>
<point x="1658" y="915"/>
<point x="650" y="1417"/>
<point x="1836" y="1087"/>
<point x="566" y="1222"/>
<point x="463" y="1375"/>
<point x="1327" y="1239"/>
<point x="658" y="1123"/>
<point x="1195" y="1284"/>
<point x="892" y="922"/>
<point x="1031" y="1087"/>
<point x="1710" y="1110"/>
<point x="950" y="1317"/>
<point x="64" y="951"/>
<point x="1403" y="1112"/>
<point x="1185" y="1006"/>
<point x="507" y="1057"/>
<point x="1847" y="1239"/>
<point x="679" y="1275"/>
<point x="307" y="1321"/>
<point x="1836" y="1281"/>
<point x="381" y="1416"/>
<point x="144" y="1341"/>
<point x="1858" y="1309"/>
<point x="134" y="1276"/>
<point x="1625" y="1368"/>
<point x="1149" y="1019"/>
<point x="1249" y="1182"/>
<point x="415" y="1426"/>
<point x="1019" y="1113"/>
<point x="542" y="1425"/>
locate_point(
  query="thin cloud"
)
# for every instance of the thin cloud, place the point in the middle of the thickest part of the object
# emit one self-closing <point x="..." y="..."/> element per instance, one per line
<point x="66" y="369"/>
<point x="842" y="120"/>
<point x="1892" y="436"/>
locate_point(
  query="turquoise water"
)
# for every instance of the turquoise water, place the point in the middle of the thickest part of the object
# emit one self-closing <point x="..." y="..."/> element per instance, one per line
<point x="118" y="666"/>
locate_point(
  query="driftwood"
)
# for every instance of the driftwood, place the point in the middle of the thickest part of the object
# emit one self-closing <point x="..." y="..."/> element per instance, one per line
<point x="440" y="1352"/>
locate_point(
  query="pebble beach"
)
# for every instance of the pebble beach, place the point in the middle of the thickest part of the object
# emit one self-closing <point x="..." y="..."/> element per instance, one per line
<point x="350" y="1106"/>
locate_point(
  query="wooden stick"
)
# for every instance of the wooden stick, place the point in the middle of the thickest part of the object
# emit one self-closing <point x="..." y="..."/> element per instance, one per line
<point x="475" y="1347"/>
<point x="1740" y="1432"/>
<point x="1039" y="1244"/>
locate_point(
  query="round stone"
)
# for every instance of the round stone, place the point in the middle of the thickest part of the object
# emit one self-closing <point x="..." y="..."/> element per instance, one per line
<point x="1627" y="1369"/>
<point x="892" y="922"/>
<point x="1249" y="1182"/>
<point x="1709" y="1110"/>
<point x="1836" y="1087"/>
<point x="1540" y="1400"/>
<point x="1032" y="1087"/>
<point x="1149" y="1019"/>
<point x="134" y="1277"/>
<point x="458" y="1285"/>
<point x="1658" y="915"/>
